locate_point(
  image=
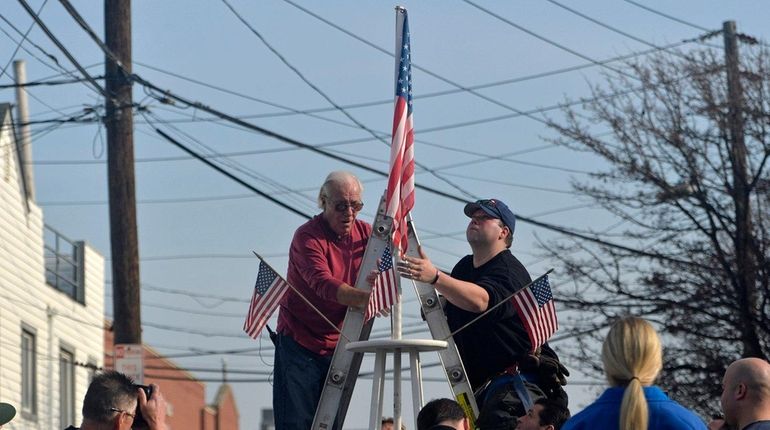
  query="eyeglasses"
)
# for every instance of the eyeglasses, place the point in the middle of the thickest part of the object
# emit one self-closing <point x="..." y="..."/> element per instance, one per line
<point x="343" y="206"/>
<point x="133" y="416"/>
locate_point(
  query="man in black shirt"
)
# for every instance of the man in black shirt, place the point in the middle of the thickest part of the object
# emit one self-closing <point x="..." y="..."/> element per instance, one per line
<point x="497" y="346"/>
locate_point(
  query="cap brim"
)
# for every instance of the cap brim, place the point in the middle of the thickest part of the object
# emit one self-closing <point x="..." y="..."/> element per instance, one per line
<point x="7" y="412"/>
<point x="470" y="208"/>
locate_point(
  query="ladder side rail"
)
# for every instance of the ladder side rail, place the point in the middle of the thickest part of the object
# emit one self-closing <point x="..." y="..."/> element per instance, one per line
<point x="450" y="359"/>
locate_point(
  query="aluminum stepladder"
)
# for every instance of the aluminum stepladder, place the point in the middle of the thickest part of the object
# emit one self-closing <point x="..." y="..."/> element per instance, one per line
<point x="343" y="372"/>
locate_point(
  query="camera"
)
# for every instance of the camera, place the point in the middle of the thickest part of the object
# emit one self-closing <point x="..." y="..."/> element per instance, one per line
<point x="139" y="422"/>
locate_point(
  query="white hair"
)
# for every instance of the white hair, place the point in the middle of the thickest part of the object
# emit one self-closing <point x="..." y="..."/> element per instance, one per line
<point x="337" y="177"/>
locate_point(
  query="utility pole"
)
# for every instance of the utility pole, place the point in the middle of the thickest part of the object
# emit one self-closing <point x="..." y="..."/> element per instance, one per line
<point x="119" y="123"/>
<point x="744" y="255"/>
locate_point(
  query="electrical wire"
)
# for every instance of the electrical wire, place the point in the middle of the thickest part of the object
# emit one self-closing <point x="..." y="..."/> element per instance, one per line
<point x="46" y="83"/>
<point x="547" y="40"/>
<point x="339" y="108"/>
<point x="285" y="139"/>
<point x="609" y="27"/>
<point x="310" y="112"/>
<point x="673" y="18"/>
<point x="21" y="42"/>
<point x="64" y="50"/>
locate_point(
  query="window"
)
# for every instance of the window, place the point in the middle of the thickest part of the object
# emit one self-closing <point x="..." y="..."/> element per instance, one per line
<point x="28" y="373"/>
<point x="64" y="268"/>
<point x="66" y="388"/>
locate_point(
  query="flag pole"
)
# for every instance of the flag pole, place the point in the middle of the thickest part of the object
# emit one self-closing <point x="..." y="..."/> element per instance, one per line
<point x="401" y="16"/>
<point x="302" y="297"/>
<point x="499" y="304"/>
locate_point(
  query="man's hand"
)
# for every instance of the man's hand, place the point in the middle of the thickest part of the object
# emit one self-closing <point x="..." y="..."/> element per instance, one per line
<point x="370" y="279"/>
<point x="154" y="408"/>
<point x="420" y="269"/>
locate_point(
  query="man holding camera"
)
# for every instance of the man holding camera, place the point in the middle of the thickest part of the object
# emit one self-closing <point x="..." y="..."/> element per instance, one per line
<point x="114" y="402"/>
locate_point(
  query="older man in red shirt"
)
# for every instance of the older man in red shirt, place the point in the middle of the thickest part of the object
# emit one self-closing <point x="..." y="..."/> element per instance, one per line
<point x="324" y="260"/>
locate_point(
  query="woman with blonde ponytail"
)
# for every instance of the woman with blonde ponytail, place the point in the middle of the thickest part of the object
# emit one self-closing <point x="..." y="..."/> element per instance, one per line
<point x="632" y="356"/>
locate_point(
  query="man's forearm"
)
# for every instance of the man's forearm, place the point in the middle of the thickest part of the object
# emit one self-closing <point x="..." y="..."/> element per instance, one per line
<point x="351" y="296"/>
<point x="465" y="295"/>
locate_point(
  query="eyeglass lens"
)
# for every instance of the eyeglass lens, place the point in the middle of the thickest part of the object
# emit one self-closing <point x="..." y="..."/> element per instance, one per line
<point x="343" y="206"/>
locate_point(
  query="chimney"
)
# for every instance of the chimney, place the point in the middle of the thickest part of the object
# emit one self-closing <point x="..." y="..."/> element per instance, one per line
<point x="22" y="113"/>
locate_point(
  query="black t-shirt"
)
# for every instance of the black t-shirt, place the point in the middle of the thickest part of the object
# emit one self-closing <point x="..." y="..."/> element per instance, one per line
<point x="493" y="343"/>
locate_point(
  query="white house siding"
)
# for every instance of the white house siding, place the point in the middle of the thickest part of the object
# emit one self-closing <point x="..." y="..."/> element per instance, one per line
<point x="26" y="299"/>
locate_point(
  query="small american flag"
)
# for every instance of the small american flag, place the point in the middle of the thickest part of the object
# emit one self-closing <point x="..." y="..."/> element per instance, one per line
<point x="536" y="310"/>
<point x="399" y="196"/>
<point x="267" y="294"/>
<point x="386" y="286"/>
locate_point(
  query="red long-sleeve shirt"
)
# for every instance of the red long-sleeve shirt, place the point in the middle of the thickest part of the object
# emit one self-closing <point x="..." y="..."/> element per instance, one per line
<point x="319" y="262"/>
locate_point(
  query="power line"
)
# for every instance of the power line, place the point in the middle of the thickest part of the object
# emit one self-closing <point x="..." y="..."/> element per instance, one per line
<point x="53" y="82"/>
<point x="609" y="27"/>
<point x="528" y="187"/>
<point x="547" y="40"/>
<point x="64" y="50"/>
<point x="24" y="38"/>
<point x="423" y="69"/>
<point x="285" y="139"/>
<point x="21" y="42"/>
<point x="290" y="110"/>
<point x="310" y="112"/>
<point x="231" y="176"/>
<point x="673" y="18"/>
<point x="326" y="97"/>
<point x="299" y="198"/>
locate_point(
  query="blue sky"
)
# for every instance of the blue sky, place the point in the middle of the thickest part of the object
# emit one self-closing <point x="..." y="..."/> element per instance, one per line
<point x="197" y="228"/>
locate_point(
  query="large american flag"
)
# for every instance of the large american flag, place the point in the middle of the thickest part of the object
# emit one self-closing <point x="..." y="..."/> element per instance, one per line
<point x="536" y="310"/>
<point x="267" y="294"/>
<point x="386" y="286"/>
<point x="399" y="196"/>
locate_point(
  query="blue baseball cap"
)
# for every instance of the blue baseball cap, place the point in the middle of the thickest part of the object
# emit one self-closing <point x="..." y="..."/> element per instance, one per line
<point x="494" y="208"/>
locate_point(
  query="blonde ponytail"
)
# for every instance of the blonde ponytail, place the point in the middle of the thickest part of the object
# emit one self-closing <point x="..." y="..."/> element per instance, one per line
<point x="632" y="357"/>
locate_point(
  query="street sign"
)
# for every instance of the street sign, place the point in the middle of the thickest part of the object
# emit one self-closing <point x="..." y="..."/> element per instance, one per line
<point x="129" y="360"/>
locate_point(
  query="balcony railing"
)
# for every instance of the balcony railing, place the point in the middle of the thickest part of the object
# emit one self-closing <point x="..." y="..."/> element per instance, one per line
<point x="64" y="264"/>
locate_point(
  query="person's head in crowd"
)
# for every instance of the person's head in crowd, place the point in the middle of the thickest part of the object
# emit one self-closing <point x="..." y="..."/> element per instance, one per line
<point x="113" y="401"/>
<point x="7" y="412"/>
<point x="442" y="414"/>
<point x="632" y="356"/>
<point x="544" y="415"/>
<point x="110" y="402"/>
<point x="746" y="392"/>
<point x="388" y="423"/>
<point x="491" y="221"/>
<point x="340" y="200"/>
